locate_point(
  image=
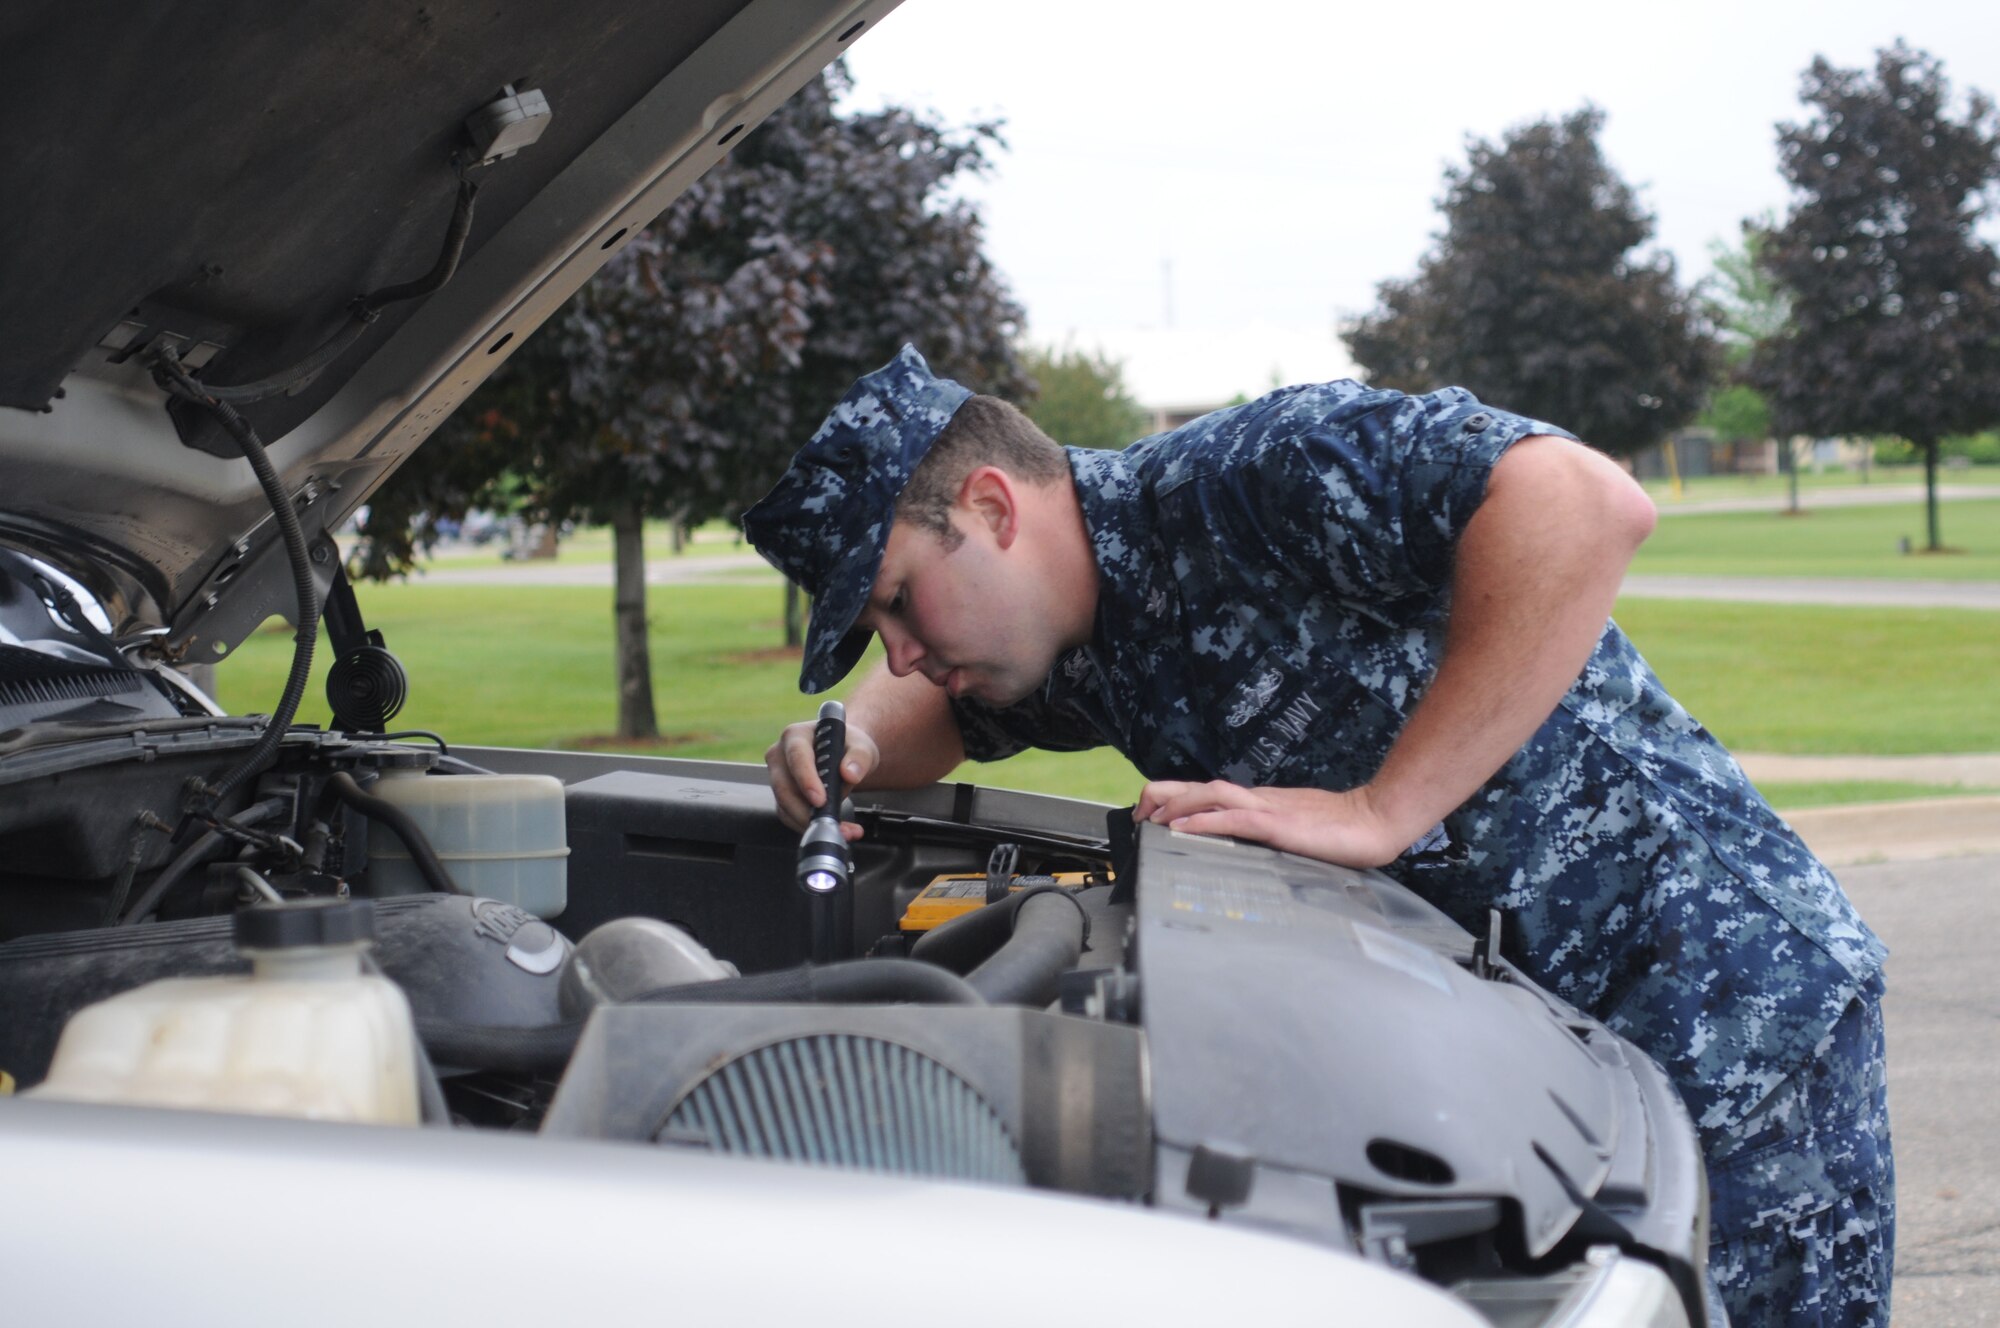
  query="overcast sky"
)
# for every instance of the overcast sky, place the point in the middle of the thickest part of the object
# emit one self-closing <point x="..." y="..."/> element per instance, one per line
<point x="1261" y="163"/>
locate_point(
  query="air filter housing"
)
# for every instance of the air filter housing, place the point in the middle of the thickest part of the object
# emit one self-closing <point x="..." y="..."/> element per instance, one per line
<point x="842" y="1100"/>
<point x="997" y="1095"/>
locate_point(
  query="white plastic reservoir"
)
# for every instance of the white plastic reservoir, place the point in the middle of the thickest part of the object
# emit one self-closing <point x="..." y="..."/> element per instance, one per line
<point x="306" y="1033"/>
<point x="501" y="836"/>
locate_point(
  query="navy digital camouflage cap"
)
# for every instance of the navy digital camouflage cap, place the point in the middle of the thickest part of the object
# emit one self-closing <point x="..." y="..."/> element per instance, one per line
<point x="826" y="520"/>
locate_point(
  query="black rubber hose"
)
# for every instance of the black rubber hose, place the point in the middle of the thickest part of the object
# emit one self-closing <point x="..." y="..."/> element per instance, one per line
<point x="176" y="380"/>
<point x="546" y="1048"/>
<point x="970" y="939"/>
<point x="851" y="982"/>
<point x="194" y="855"/>
<point x="342" y="786"/>
<point x="1049" y="928"/>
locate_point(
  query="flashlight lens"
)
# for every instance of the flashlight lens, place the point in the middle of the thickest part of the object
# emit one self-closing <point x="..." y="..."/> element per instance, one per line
<point x="820" y="881"/>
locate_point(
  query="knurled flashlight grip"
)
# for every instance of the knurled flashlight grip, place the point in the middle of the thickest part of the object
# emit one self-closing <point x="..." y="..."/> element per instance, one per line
<point x="829" y="747"/>
<point x="823" y="862"/>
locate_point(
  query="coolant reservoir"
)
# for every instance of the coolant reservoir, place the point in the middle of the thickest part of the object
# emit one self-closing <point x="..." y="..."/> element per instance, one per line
<point x="500" y="836"/>
<point x="306" y="1033"/>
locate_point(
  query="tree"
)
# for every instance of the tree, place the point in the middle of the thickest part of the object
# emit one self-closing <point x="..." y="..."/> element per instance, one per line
<point x="1738" y="414"/>
<point x="679" y="381"/>
<point x="1747" y="309"/>
<point x="1081" y="399"/>
<point x="1746" y="305"/>
<point x="1895" y="300"/>
<point x="1533" y="299"/>
<point x="620" y="406"/>
<point x="902" y="265"/>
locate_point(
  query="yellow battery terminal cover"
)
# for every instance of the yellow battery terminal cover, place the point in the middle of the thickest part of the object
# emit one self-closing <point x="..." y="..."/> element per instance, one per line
<point x="946" y="897"/>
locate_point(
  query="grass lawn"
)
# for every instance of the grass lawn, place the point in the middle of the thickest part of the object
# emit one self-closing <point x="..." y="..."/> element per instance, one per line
<point x="532" y="667"/>
<point x="1827" y="541"/>
<point x="1798" y="795"/>
<point x="1828" y="681"/>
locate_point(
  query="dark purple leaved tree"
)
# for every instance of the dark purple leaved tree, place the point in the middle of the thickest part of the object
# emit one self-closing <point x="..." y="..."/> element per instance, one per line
<point x="1895" y="300"/>
<point x="680" y="380"/>
<point x="1534" y="298"/>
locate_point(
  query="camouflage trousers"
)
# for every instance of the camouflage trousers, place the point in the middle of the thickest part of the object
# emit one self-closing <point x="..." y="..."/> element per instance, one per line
<point x="1802" y="1191"/>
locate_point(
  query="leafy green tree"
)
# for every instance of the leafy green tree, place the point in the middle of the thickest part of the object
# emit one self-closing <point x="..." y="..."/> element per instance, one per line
<point x="1747" y="308"/>
<point x="679" y="381"/>
<point x="1746" y="304"/>
<point x="1081" y="399"/>
<point x="1534" y="299"/>
<point x="1895" y="300"/>
<point x="1738" y="414"/>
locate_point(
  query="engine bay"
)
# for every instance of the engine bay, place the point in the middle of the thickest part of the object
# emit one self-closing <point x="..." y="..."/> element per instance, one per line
<point x="1027" y="994"/>
<point x="1004" y="989"/>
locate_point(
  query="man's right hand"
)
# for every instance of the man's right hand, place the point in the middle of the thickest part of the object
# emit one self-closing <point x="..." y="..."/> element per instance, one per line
<point x="795" y="773"/>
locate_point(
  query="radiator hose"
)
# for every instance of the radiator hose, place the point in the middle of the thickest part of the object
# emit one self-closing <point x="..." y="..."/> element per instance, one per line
<point x="1013" y="952"/>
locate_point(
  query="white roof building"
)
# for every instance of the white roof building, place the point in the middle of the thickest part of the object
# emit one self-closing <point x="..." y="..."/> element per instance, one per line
<point x="1178" y="373"/>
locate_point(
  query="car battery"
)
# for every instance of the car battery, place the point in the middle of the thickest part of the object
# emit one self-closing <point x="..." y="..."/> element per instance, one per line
<point x="949" y="896"/>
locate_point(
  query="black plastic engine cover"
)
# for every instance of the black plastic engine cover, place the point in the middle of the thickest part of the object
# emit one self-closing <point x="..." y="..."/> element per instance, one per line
<point x="1320" y="1021"/>
<point x="708" y="856"/>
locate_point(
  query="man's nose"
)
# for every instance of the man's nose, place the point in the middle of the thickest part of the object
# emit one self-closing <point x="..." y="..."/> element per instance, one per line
<point x="903" y="651"/>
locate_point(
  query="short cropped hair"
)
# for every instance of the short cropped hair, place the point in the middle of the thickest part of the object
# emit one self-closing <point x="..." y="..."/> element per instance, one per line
<point x="985" y="431"/>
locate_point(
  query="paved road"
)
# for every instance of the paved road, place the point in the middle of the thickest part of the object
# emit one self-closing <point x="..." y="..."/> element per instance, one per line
<point x="734" y="568"/>
<point x="720" y="568"/>
<point x="1872" y="495"/>
<point x="1942" y="920"/>
<point x="1839" y="591"/>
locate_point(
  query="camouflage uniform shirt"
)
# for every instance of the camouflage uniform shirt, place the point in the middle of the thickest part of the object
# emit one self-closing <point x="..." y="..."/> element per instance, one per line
<point x="1274" y="585"/>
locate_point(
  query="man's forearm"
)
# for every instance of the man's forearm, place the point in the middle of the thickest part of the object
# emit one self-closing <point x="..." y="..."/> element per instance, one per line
<point x="1536" y="574"/>
<point x="911" y="722"/>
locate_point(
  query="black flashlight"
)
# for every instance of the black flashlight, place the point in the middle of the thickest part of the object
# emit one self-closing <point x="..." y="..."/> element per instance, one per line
<point x="823" y="863"/>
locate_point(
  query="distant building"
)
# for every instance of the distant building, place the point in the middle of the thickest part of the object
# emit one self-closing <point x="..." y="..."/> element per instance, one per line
<point x="1179" y="374"/>
<point x="1699" y="452"/>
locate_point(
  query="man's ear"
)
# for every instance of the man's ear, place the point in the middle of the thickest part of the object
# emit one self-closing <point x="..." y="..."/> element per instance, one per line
<point x="989" y="499"/>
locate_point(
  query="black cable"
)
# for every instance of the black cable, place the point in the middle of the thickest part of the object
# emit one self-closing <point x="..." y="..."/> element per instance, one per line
<point x="123" y="885"/>
<point x="413" y="733"/>
<point x="342" y="786"/>
<point x="447" y="261"/>
<point x="366" y="310"/>
<point x="193" y="855"/>
<point x="168" y="372"/>
<point x="311" y="366"/>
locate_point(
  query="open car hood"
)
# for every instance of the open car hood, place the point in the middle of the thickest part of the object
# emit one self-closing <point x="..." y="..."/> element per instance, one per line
<point x="232" y="176"/>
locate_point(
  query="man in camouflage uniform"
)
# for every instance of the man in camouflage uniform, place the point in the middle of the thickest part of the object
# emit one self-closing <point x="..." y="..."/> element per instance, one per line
<point x="1373" y="628"/>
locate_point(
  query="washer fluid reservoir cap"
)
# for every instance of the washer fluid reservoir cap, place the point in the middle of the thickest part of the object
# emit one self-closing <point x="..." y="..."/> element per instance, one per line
<point x="306" y="922"/>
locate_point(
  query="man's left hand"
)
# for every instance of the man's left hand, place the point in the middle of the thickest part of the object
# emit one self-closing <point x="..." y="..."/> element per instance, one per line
<point x="1342" y="828"/>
